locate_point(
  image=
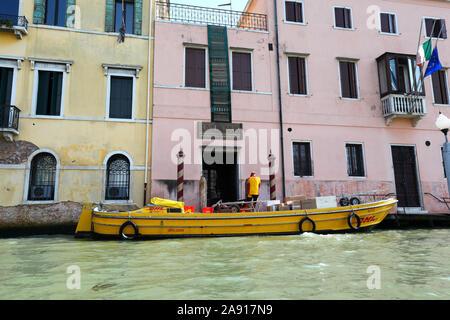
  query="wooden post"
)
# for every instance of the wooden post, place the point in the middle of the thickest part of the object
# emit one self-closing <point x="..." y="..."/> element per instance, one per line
<point x="180" y="175"/>
<point x="273" y="194"/>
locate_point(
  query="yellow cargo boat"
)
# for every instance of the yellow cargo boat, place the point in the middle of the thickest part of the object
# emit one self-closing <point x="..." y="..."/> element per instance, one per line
<point x="156" y="221"/>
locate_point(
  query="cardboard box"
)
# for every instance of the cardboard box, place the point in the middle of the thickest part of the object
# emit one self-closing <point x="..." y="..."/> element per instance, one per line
<point x="294" y="198"/>
<point x="319" y="203"/>
<point x="270" y="208"/>
<point x="284" y="208"/>
<point x="326" y="202"/>
<point x="309" y="204"/>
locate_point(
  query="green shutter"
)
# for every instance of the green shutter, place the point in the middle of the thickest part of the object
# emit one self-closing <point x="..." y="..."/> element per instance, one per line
<point x="109" y="16"/>
<point x="219" y="74"/>
<point x="70" y="15"/>
<point x="39" y="12"/>
<point x="138" y="17"/>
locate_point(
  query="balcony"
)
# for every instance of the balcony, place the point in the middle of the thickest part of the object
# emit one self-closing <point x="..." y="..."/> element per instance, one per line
<point x="401" y="87"/>
<point x="401" y="106"/>
<point x="188" y="14"/>
<point x="9" y="121"/>
<point x="14" y="24"/>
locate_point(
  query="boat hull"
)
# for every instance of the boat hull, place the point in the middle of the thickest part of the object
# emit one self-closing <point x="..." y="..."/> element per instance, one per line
<point x="147" y="224"/>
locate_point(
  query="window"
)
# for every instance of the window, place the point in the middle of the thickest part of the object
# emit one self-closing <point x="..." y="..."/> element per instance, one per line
<point x="242" y="71"/>
<point x="297" y="75"/>
<point x="343" y="18"/>
<point x="435" y="28"/>
<point x="125" y="12"/>
<point x="6" y="81"/>
<point x="121" y="97"/>
<point x="49" y="93"/>
<point x="195" y="70"/>
<point x="118" y="178"/>
<point x="302" y="159"/>
<point x="294" y="11"/>
<point x="439" y="84"/>
<point x="388" y="23"/>
<point x="349" y="81"/>
<point x="399" y="74"/>
<point x="55" y="12"/>
<point x="355" y="161"/>
<point x="42" y="177"/>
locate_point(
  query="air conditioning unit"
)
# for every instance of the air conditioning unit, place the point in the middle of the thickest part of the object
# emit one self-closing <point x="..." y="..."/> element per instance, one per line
<point x="41" y="193"/>
<point x="117" y="193"/>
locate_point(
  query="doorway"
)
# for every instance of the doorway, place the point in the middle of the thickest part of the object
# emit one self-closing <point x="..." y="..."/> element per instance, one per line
<point x="405" y="172"/>
<point x="221" y="170"/>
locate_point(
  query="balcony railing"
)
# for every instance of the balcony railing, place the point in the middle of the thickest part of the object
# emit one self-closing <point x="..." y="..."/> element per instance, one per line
<point x="209" y="16"/>
<point x="403" y="106"/>
<point x="9" y="121"/>
<point x="16" y="24"/>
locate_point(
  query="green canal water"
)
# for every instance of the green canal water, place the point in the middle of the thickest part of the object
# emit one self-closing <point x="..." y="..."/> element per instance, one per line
<point x="382" y="264"/>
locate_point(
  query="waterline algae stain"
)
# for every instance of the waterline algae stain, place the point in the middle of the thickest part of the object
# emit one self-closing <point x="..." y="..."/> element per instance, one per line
<point x="383" y="264"/>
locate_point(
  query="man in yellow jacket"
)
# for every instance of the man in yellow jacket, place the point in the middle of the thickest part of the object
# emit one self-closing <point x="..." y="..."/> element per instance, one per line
<point x="254" y="183"/>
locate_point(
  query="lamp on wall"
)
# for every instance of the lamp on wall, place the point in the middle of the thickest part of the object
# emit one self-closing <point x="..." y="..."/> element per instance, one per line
<point x="443" y="124"/>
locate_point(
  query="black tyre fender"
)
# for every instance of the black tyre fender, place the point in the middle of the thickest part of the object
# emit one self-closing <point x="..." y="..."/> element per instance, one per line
<point x="354" y="201"/>
<point x="300" y="224"/>
<point x="349" y="221"/>
<point x="126" y="224"/>
<point x="235" y="208"/>
<point x="344" y="202"/>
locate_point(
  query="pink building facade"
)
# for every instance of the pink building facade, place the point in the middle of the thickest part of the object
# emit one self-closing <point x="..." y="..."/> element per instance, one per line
<point x="330" y="88"/>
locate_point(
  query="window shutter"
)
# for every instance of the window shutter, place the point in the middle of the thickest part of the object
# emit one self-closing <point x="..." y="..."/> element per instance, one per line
<point x="121" y="97"/>
<point x="290" y="11"/>
<point x="195" y="68"/>
<point x="435" y="79"/>
<point x="242" y="71"/>
<point x="444" y="91"/>
<point x="444" y="29"/>
<point x="302" y="75"/>
<point x="352" y="80"/>
<point x="428" y="26"/>
<point x="339" y="17"/>
<point x="39" y="11"/>
<point x="345" y="81"/>
<point x="138" y="17"/>
<point x="70" y="17"/>
<point x="6" y="75"/>
<point x="347" y="18"/>
<point x="293" y="76"/>
<point x="109" y="15"/>
<point x="384" y="22"/>
<point x="298" y="12"/>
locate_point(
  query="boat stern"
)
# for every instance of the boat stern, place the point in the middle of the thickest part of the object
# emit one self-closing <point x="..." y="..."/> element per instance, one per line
<point x="84" y="226"/>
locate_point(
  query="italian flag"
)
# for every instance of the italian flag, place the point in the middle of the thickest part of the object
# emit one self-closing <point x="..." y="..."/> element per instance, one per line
<point x="424" y="53"/>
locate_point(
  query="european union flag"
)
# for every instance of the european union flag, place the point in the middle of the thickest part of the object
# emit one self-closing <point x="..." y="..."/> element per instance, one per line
<point x="434" y="64"/>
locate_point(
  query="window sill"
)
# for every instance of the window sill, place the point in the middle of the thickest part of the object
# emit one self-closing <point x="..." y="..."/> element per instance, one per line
<point x="345" y="29"/>
<point x="350" y="99"/>
<point x="440" y="105"/>
<point x="39" y="201"/>
<point x="389" y="34"/>
<point x="299" y="95"/>
<point x="303" y="176"/>
<point x="39" y="116"/>
<point x="296" y="23"/>
<point x="357" y="177"/>
<point x="195" y="88"/>
<point x="117" y="201"/>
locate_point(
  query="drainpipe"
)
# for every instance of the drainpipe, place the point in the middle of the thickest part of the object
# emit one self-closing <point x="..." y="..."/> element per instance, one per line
<point x="280" y="106"/>
<point x="149" y="89"/>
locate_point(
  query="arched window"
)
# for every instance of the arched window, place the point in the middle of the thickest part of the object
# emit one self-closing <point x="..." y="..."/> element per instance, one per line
<point x="42" y="177"/>
<point x="118" y="178"/>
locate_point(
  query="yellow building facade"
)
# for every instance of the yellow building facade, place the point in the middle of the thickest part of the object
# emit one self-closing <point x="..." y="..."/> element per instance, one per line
<point x="83" y="89"/>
